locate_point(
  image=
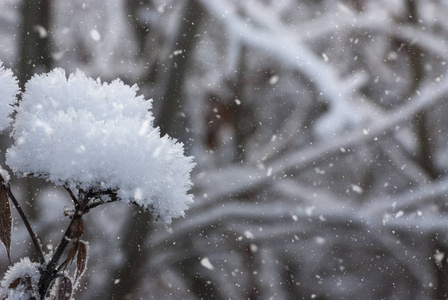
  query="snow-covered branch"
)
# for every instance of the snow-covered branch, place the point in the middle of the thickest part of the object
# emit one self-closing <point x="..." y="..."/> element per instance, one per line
<point x="93" y="138"/>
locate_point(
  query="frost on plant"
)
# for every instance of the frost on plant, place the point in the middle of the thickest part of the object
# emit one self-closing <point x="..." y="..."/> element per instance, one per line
<point x="8" y="91"/>
<point x="99" y="137"/>
<point x="20" y="281"/>
<point x="98" y="141"/>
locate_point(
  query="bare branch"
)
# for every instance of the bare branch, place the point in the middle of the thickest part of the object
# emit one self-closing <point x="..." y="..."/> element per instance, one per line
<point x="72" y="196"/>
<point x="50" y="272"/>
<point x="34" y="238"/>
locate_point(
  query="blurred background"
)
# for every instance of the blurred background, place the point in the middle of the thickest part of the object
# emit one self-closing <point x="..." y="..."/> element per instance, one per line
<point x="319" y="129"/>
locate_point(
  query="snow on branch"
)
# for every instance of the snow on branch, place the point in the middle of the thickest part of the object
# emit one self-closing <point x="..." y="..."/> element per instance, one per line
<point x="430" y="94"/>
<point x="99" y="137"/>
<point x="248" y="177"/>
<point x="291" y="49"/>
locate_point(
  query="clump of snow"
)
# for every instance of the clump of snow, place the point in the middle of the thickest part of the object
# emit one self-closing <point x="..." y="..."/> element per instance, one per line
<point x="96" y="136"/>
<point x="95" y="35"/>
<point x="399" y="214"/>
<point x="8" y="91"/>
<point x="205" y="262"/>
<point x="21" y="281"/>
<point x="5" y="175"/>
<point x="357" y="189"/>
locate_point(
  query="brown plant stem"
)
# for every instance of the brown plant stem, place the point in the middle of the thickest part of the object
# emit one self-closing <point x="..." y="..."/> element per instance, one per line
<point x="49" y="273"/>
<point x="31" y="232"/>
<point x="72" y="196"/>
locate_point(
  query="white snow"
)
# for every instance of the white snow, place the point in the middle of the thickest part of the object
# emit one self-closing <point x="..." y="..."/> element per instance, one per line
<point x="177" y="52"/>
<point x="8" y="91"/>
<point x="399" y="214"/>
<point x="24" y="274"/>
<point x="4" y="174"/>
<point x="438" y="257"/>
<point x="43" y="33"/>
<point x="205" y="262"/>
<point x="96" y="36"/>
<point x="249" y="234"/>
<point x="357" y="189"/>
<point x="319" y="240"/>
<point x="309" y="210"/>
<point x="274" y="79"/>
<point x="95" y="136"/>
<point x="253" y="248"/>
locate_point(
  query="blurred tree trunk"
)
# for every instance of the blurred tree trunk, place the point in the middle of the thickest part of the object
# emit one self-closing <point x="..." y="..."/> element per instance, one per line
<point x="34" y="57"/>
<point x="171" y="122"/>
<point x="171" y="119"/>
<point x="139" y="29"/>
<point x="422" y="121"/>
<point x="426" y="139"/>
<point x="34" y="49"/>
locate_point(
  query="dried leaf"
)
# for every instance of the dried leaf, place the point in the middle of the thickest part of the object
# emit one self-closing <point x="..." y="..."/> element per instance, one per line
<point x="76" y="229"/>
<point x="71" y="255"/>
<point x="15" y="283"/>
<point x="5" y="220"/>
<point x="81" y="260"/>
<point x="65" y="289"/>
<point x="24" y="286"/>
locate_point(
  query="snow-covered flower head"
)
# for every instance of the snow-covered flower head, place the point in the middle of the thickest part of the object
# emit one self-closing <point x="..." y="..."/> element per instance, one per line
<point x="97" y="136"/>
<point x="20" y="281"/>
<point x="8" y="91"/>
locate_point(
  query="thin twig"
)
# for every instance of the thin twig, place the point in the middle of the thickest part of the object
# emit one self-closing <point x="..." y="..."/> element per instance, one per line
<point x="72" y="196"/>
<point x="95" y="204"/>
<point x="51" y="270"/>
<point x="97" y="195"/>
<point x="31" y="232"/>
